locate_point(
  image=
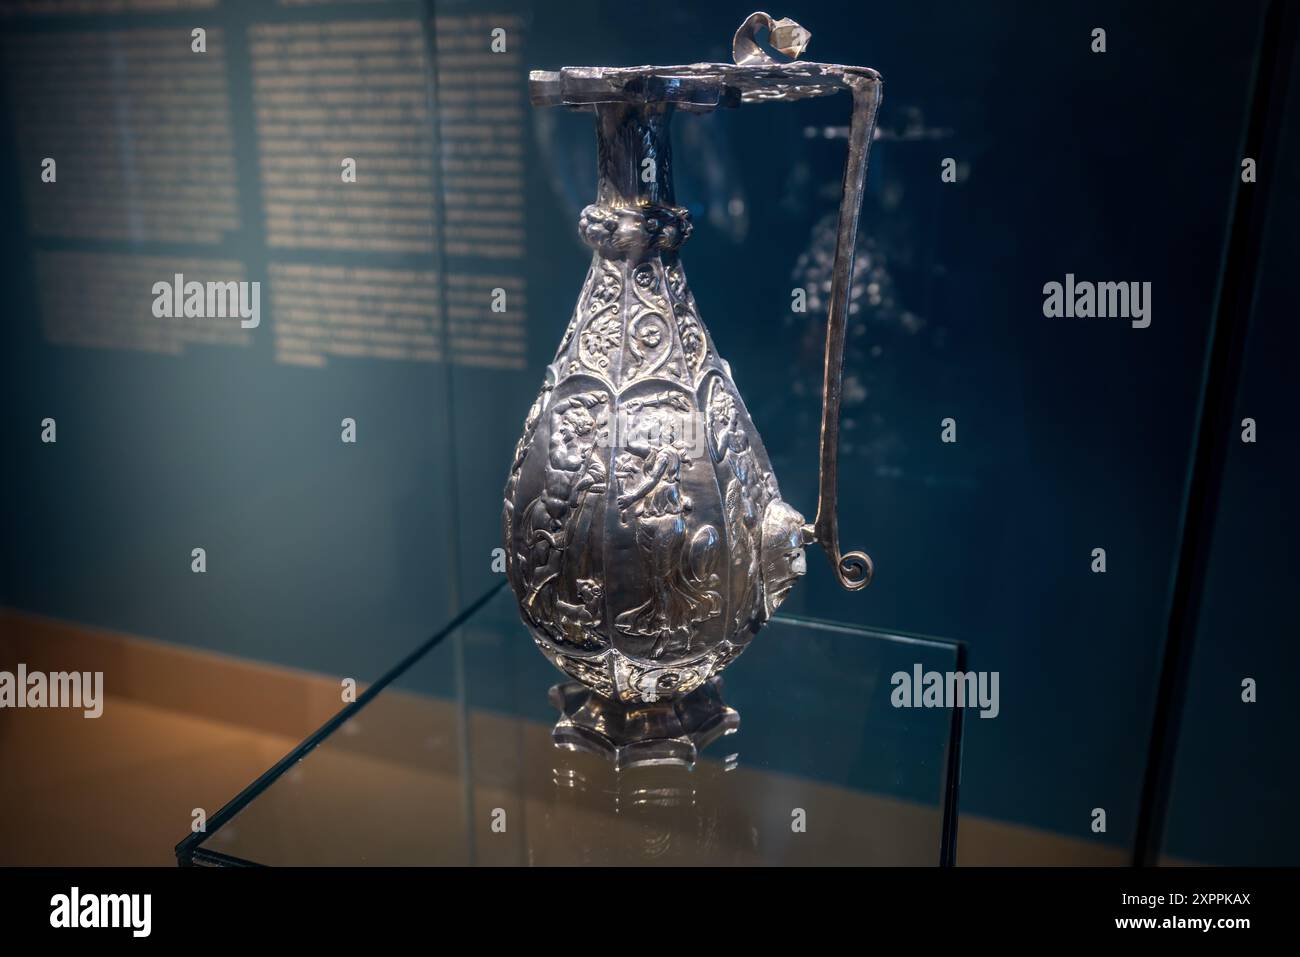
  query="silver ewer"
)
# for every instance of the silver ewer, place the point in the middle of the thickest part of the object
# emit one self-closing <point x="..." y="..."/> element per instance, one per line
<point x="645" y="534"/>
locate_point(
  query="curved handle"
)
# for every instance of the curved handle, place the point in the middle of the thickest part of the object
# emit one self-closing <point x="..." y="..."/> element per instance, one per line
<point x="853" y="569"/>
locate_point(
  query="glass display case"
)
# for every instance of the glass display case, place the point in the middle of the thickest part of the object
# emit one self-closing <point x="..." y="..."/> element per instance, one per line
<point x="818" y="769"/>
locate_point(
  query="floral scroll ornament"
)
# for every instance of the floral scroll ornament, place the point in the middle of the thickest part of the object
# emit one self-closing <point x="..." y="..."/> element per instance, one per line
<point x="599" y="340"/>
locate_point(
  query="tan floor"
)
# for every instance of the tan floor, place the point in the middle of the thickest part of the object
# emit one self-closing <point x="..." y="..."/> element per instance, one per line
<point x="120" y="789"/>
<point x="180" y="730"/>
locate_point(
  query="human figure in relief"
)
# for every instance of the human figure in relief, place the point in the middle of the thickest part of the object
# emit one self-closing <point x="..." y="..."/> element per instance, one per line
<point x="572" y="471"/>
<point x="650" y="494"/>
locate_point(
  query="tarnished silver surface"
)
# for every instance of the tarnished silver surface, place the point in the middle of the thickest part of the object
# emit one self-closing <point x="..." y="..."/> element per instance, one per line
<point x="646" y="538"/>
<point x="668" y="732"/>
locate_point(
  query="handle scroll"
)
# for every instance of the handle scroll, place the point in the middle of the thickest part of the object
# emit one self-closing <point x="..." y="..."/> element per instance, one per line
<point x="784" y="35"/>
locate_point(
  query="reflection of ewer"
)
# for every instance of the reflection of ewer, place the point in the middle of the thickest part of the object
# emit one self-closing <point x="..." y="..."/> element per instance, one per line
<point x="645" y="534"/>
<point x="646" y="812"/>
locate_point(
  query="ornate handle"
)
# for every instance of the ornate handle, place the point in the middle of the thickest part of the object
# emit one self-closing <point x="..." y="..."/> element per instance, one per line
<point x="853" y="569"/>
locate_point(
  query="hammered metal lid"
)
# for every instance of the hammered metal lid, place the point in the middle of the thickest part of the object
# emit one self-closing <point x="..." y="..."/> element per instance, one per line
<point x="754" y="77"/>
